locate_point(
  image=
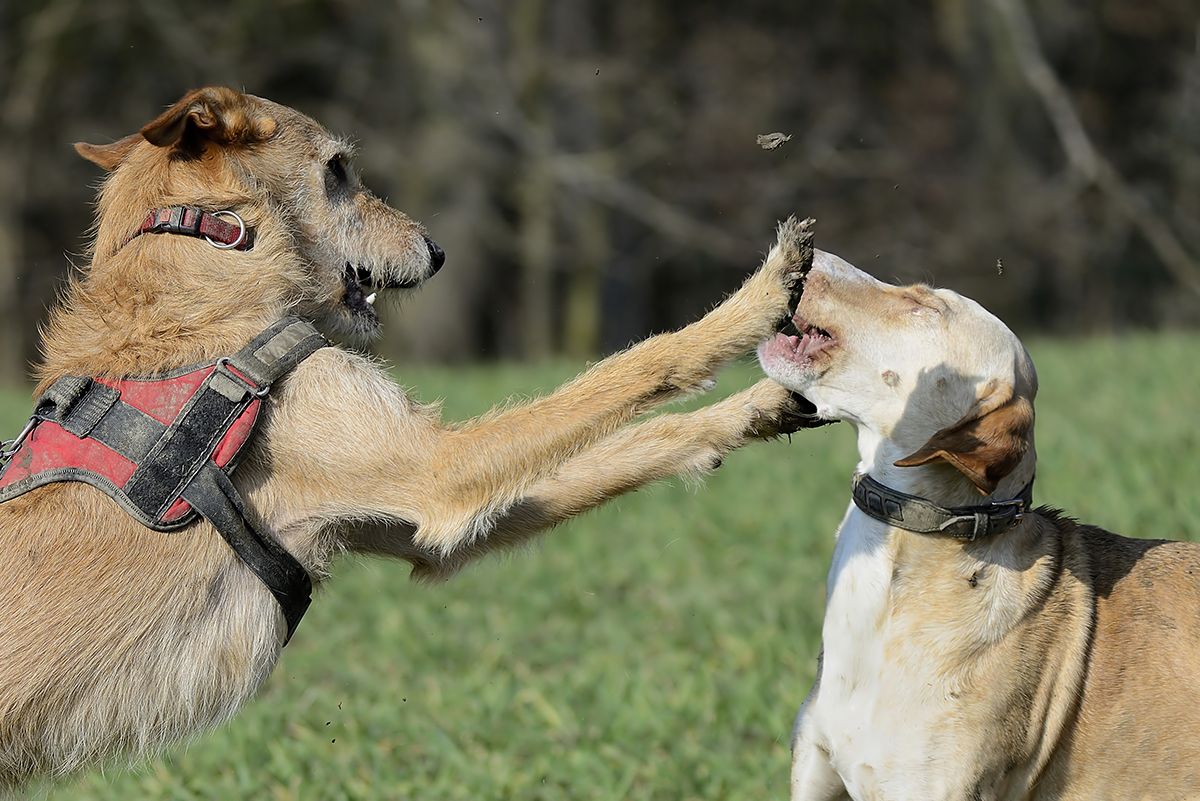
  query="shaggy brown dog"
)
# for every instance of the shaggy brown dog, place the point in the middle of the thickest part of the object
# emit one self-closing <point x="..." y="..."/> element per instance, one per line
<point x="115" y="637"/>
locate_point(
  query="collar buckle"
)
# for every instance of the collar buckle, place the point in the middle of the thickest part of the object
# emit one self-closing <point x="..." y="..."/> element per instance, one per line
<point x="1019" y="507"/>
<point x="176" y="220"/>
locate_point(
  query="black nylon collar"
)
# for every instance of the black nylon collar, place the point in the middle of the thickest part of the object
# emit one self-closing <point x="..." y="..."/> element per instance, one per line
<point x="919" y="515"/>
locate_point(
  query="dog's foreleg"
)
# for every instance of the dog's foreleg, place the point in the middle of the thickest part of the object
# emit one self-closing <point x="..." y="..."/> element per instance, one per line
<point x="667" y="445"/>
<point x="443" y="487"/>
<point x="426" y="490"/>
<point x="813" y="777"/>
<point x="527" y="444"/>
<point x="655" y="371"/>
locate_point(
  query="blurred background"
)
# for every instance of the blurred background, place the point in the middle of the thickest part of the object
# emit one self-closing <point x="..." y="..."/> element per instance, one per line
<point x="592" y="167"/>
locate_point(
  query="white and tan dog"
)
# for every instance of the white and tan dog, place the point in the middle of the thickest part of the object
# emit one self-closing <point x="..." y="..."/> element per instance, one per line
<point x="1014" y="654"/>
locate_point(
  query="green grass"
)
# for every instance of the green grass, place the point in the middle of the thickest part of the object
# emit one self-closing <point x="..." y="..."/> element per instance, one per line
<point x="655" y="649"/>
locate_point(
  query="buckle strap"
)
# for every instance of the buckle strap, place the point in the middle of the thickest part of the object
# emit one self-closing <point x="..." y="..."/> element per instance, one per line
<point x="186" y="445"/>
<point x="916" y="514"/>
<point x="276" y="351"/>
<point x="77" y="404"/>
<point x="235" y="383"/>
<point x="192" y="221"/>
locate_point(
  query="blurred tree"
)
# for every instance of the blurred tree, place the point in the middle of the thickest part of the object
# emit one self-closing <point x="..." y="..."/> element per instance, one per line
<point x="591" y="168"/>
<point x="28" y="75"/>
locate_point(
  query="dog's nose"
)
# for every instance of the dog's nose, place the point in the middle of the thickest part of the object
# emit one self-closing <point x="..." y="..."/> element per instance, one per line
<point x="437" y="256"/>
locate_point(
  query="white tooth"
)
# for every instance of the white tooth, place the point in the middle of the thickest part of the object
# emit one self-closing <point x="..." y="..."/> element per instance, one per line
<point x="371" y="299"/>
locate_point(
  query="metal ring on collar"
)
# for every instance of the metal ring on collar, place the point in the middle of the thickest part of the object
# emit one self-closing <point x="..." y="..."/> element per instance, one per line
<point x="241" y="232"/>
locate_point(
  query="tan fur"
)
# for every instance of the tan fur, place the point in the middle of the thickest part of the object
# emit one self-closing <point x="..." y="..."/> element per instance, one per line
<point x="1054" y="661"/>
<point x="116" y="638"/>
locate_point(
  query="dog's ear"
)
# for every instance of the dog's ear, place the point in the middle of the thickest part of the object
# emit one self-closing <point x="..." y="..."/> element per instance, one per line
<point x="987" y="443"/>
<point x="109" y="156"/>
<point x="218" y="114"/>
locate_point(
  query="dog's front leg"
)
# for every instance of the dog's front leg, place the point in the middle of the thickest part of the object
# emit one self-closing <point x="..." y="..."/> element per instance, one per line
<point x="662" y="368"/>
<point x="813" y="777"/>
<point x="527" y="444"/>
<point x="344" y="447"/>
<point x="667" y="445"/>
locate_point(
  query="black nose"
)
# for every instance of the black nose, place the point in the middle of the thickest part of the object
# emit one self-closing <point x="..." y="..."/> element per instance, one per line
<point x="437" y="256"/>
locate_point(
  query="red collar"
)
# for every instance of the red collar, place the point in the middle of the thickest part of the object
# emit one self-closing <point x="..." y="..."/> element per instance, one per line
<point x="190" y="221"/>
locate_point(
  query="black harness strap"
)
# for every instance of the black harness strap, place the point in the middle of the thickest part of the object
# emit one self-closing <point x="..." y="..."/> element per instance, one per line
<point x="81" y="403"/>
<point x="188" y="443"/>
<point x="223" y="397"/>
<point x="212" y="494"/>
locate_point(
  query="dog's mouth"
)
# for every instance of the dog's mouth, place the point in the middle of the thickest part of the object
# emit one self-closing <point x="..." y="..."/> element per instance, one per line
<point x="790" y="358"/>
<point x="363" y="288"/>
<point x="800" y="341"/>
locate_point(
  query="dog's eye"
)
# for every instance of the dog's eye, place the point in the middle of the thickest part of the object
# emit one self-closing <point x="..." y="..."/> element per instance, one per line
<point x="337" y="179"/>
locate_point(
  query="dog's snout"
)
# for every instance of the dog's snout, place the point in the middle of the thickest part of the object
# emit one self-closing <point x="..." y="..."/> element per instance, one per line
<point x="437" y="256"/>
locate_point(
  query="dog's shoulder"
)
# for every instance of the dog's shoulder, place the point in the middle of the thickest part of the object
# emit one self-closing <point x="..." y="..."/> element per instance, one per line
<point x="342" y="395"/>
<point x="336" y="372"/>
<point x="1128" y="573"/>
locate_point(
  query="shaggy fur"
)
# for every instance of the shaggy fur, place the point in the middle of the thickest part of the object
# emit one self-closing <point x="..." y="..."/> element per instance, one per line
<point x="1053" y="661"/>
<point x="117" y="638"/>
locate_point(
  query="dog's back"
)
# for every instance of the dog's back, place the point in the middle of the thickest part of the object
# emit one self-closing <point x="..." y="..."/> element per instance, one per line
<point x="1142" y="672"/>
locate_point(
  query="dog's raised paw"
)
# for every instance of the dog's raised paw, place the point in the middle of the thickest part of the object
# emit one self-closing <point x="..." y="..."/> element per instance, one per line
<point x="778" y="411"/>
<point x="795" y="244"/>
<point x="798" y="414"/>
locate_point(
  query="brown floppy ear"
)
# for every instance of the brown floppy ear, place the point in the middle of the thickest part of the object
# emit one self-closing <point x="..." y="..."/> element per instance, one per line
<point x="987" y="444"/>
<point x="109" y="156"/>
<point x="218" y="114"/>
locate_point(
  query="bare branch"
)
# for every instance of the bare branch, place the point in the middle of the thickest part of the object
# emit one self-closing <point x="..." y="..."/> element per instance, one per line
<point x="1082" y="154"/>
<point x="655" y="212"/>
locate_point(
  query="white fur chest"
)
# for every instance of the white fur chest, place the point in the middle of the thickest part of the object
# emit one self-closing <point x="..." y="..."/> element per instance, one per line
<point x="875" y="699"/>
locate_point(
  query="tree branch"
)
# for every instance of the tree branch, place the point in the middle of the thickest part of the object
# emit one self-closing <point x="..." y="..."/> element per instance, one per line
<point x="667" y="218"/>
<point x="1082" y="154"/>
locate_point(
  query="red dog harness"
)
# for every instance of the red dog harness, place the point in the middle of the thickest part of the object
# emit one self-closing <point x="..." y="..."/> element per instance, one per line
<point x="163" y="447"/>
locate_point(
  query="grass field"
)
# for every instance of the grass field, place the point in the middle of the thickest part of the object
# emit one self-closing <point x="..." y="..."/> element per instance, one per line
<point x="656" y="649"/>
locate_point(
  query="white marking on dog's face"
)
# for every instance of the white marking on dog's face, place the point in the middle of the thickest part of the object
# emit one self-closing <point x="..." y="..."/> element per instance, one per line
<point x="901" y="362"/>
